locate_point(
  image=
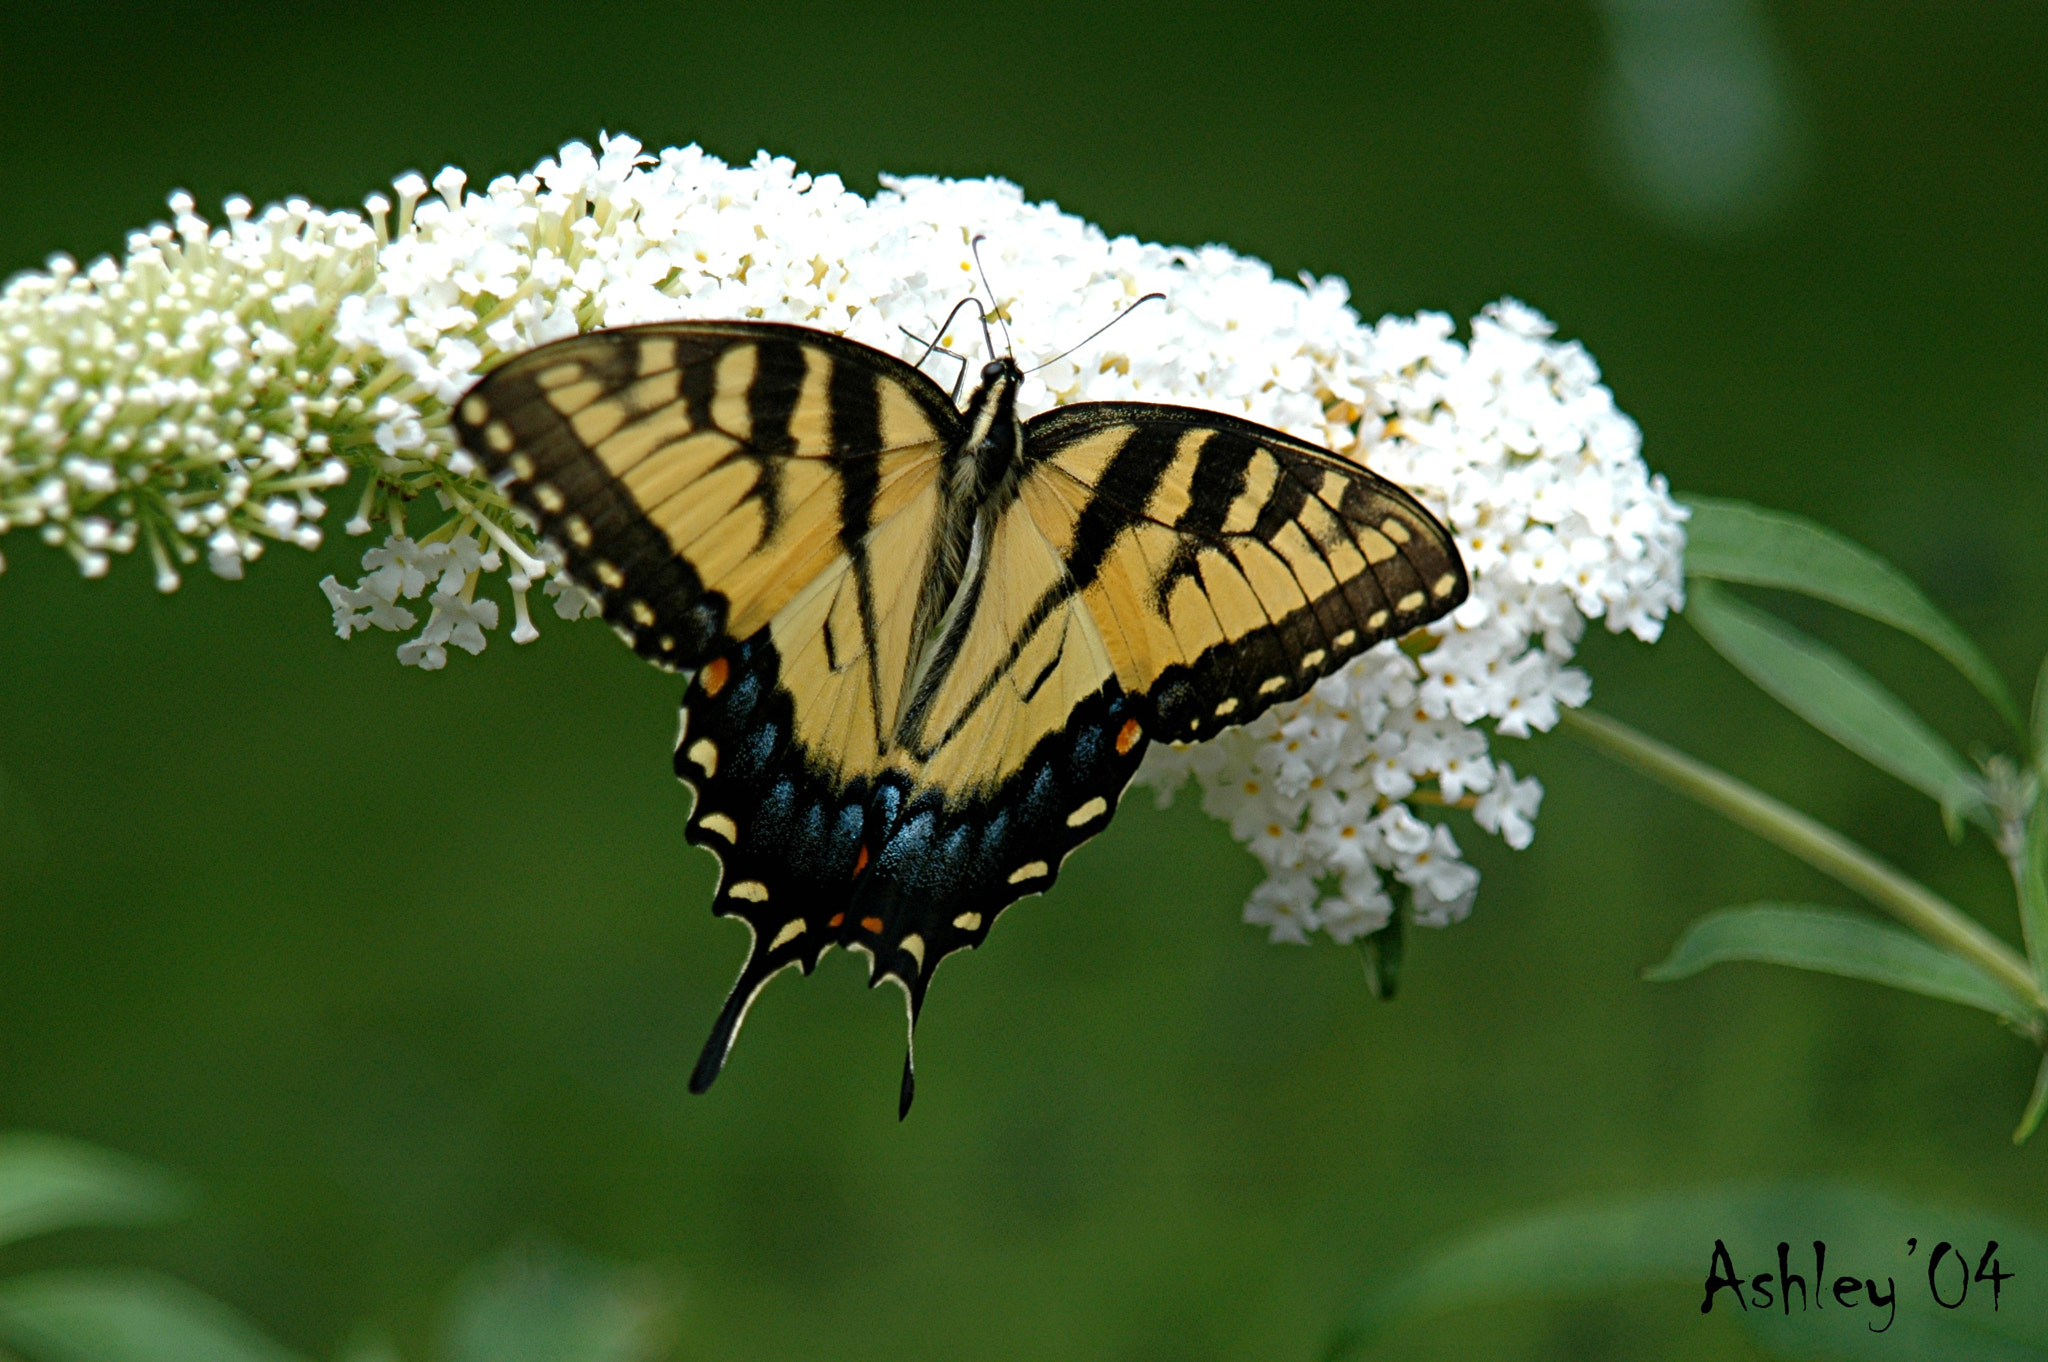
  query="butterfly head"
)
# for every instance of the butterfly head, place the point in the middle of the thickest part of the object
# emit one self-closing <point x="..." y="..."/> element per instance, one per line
<point x="995" y="441"/>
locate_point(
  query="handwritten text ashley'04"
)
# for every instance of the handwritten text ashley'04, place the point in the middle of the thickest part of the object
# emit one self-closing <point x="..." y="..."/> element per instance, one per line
<point x="1948" y="1281"/>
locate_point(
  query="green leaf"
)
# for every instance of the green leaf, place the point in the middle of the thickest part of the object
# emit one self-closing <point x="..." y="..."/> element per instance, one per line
<point x="1598" y="1248"/>
<point x="2037" y="1103"/>
<point x="1834" y="942"/>
<point x="2033" y="886"/>
<point x="1737" y="542"/>
<point x="126" y="1316"/>
<point x="541" y="1303"/>
<point x="49" y="1183"/>
<point x="1382" y="949"/>
<point x="2040" y="733"/>
<point x="1837" y="697"/>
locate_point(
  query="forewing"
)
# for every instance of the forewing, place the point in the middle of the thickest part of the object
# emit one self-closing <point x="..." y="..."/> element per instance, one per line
<point x="1229" y="567"/>
<point x="699" y="475"/>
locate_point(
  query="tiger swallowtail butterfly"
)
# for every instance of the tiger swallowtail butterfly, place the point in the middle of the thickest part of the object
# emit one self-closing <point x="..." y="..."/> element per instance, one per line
<point x="929" y="644"/>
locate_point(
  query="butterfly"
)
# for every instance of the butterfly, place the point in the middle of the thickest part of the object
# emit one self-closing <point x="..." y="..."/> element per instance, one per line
<point x="929" y="644"/>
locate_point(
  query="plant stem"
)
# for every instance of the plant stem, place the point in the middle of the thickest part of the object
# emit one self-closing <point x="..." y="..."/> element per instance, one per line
<point x="2035" y="1105"/>
<point x="1818" y="845"/>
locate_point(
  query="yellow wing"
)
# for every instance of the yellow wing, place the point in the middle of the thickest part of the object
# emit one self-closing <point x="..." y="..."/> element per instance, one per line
<point x="1228" y="566"/>
<point x="1008" y="750"/>
<point x="700" y="475"/>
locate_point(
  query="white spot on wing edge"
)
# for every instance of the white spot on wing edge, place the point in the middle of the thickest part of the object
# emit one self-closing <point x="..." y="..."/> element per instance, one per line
<point x="718" y="825"/>
<point x="1031" y="870"/>
<point x="971" y="922"/>
<point x="704" y="754"/>
<point x="914" y="944"/>
<point x="1088" y="812"/>
<point x="753" y="891"/>
<point x="791" y="930"/>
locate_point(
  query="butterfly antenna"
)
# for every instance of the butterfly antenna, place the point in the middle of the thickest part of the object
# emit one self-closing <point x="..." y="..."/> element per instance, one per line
<point x="1009" y="345"/>
<point x="935" y="347"/>
<point x="1098" y="331"/>
<point x="933" y="344"/>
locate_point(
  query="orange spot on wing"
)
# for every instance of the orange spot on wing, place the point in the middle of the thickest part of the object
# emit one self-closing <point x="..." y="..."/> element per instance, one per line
<point x="871" y="924"/>
<point x="1127" y="737"/>
<point x="860" y="862"/>
<point x="837" y="918"/>
<point x="712" y="678"/>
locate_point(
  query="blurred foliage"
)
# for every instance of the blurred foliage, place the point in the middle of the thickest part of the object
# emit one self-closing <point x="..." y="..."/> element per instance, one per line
<point x="404" y="968"/>
<point x="1954" y="957"/>
<point x="99" y="1314"/>
<point x="536" y="1302"/>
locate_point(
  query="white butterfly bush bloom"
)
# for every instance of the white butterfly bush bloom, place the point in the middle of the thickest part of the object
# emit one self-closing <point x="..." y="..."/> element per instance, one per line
<point x="202" y="394"/>
<point x="1512" y="439"/>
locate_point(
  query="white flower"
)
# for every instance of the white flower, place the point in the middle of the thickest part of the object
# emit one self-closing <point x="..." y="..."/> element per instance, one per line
<point x="1509" y="808"/>
<point x="1360" y="906"/>
<point x="1286" y="906"/>
<point x="374" y="609"/>
<point x="202" y="393"/>
<point x="396" y="569"/>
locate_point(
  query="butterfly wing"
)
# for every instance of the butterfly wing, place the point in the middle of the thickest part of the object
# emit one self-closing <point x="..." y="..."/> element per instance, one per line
<point x="1229" y="566"/>
<point x="1161" y="572"/>
<point x="1015" y="746"/>
<point x="698" y="475"/>
<point x="1010" y="752"/>
<point x="756" y="502"/>
<point x="762" y="503"/>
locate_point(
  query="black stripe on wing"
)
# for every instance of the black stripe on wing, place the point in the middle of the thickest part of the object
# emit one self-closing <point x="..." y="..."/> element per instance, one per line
<point x="1306" y="560"/>
<point x="662" y="380"/>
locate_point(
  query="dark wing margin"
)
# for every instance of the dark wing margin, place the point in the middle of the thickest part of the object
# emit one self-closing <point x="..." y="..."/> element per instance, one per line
<point x="697" y="474"/>
<point x="1229" y="566"/>
<point x="885" y="864"/>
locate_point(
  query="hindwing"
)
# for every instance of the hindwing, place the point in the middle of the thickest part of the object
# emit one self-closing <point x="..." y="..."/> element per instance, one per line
<point x="1011" y="750"/>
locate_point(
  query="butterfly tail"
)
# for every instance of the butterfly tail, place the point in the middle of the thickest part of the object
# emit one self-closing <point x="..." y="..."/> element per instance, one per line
<point x="753" y="978"/>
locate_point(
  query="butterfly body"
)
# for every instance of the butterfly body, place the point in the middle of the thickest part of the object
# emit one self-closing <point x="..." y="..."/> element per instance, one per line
<point x="930" y="644"/>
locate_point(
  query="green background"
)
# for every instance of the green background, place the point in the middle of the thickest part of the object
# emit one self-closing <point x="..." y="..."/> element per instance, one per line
<point x="402" y="967"/>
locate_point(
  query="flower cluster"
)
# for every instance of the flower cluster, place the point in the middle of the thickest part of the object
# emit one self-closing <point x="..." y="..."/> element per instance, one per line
<point x="1513" y="440"/>
<point x="185" y="397"/>
<point x="203" y="391"/>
